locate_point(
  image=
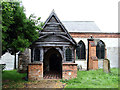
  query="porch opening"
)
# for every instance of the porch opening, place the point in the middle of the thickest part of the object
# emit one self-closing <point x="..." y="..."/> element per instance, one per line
<point x="52" y="64"/>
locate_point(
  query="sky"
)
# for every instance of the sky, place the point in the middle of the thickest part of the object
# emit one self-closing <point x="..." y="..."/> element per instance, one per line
<point x="103" y="12"/>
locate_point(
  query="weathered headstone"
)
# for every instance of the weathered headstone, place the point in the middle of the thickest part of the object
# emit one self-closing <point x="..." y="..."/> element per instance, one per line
<point x="24" y="59"/>
<point x="79" y="67"/>
<point x="106" y="65"/>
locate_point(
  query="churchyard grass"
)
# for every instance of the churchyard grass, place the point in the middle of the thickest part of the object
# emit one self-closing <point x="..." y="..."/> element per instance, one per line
<point x="94" y="79"/>
<point x="85" y="79"/>
<point x="13" y="79"/>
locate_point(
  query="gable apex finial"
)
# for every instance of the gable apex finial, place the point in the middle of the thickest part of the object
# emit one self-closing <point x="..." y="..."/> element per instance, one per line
<point x="53" y="10"/>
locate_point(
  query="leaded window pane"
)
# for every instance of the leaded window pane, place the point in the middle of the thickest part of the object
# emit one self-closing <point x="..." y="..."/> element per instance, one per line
<point x="80" y="50"/>
<point x="37" y="55"/>
<point x="31" y="55"/>
<point x="68" y="54"/>
<point x="100" y="50"/>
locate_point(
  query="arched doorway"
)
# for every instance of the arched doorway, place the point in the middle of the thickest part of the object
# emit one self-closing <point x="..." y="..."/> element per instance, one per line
<point x="52" y="64"/>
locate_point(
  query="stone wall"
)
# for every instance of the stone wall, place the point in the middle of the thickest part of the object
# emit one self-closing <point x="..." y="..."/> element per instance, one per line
<point x="24" y="60"/>
<point x="69" y="70"/>
<point x="111" y="45"/>
<point x="82" y="63"/>
<point x="35" y="71"/>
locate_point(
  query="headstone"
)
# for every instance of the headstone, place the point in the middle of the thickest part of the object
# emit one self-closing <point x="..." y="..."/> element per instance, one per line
<point x="106" y="65"/>
<point x="79" y="67"/>
<point x="24" y="59"/>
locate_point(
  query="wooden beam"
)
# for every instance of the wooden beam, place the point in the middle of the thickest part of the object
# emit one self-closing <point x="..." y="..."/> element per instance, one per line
<point x="43" y="36"/>
<point x="55" y="23"/>
<point x="51" y="30"/>
<point x="52" y="43"/>
<point x="63" y="33"/>
<point x="66" y="38"/>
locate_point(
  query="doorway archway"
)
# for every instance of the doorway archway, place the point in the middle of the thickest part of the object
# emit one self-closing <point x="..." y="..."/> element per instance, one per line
<point x="52" y="64"/>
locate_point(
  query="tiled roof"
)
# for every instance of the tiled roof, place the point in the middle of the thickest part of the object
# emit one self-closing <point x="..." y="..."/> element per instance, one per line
<point x="81" y="26"/>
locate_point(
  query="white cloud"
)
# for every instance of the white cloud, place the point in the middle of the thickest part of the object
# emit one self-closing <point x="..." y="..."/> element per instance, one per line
<point x="103" y="12"/>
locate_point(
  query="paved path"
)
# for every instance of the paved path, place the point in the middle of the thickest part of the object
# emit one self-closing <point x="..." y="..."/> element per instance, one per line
<point x="45" y="84"/>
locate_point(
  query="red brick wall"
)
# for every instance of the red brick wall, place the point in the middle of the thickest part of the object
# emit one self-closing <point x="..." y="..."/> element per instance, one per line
<point x="90" y="61"/>
<point x="35" y="71"/>
<point x="93" y="61"/>
<point x="95" y="35"/>
<point x="95" y="64"/>
<point x="69" y="70"/>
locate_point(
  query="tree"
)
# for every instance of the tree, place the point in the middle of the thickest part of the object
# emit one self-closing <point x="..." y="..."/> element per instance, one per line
<point x="18" y="32"/>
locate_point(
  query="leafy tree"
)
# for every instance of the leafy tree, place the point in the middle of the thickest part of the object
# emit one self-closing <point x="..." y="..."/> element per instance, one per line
<point x="18" y="32"/>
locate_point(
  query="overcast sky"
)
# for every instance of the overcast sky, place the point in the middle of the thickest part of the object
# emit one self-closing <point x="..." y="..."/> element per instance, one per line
<point x="103" y="12"/>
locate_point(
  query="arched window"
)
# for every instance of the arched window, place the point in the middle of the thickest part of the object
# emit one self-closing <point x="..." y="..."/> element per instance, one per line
<point x="80" y="51"/>
<point x="36" y="54"/>
<point x="68" y="53"/>
<point x="100" y="50"/>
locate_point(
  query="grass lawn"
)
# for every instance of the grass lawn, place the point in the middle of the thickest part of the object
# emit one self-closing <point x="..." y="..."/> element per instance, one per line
<point x="13" y="79"/>
<point x="85" y="79"/>
<point x="94" y="79"/>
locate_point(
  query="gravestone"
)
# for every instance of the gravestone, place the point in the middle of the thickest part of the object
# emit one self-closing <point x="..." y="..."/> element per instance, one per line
<point x="24" y="60"/>
<point x="79" y="67"/>
<point x="106" y="65"/>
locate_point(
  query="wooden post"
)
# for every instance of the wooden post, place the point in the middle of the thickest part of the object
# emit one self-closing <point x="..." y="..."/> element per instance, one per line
<point x="72" y="54"/>
<point x="75" y="54"/>
<point x="64" y="56"/>
<point x="33" y="54"/>
<point x="41" y="54"/>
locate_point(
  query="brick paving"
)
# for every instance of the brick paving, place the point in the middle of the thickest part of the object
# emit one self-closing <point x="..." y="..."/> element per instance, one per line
<point x="52" y="75"/>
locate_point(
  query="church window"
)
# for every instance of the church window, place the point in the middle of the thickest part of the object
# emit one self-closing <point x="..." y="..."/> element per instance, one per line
<point x="100" y="50"/>
<point x="36" y="54"/>
<point x="68" y="54"/>
<point x="80" y="51"/>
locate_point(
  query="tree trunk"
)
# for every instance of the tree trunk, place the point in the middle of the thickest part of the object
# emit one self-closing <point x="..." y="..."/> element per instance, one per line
<point x="15" y="61"/>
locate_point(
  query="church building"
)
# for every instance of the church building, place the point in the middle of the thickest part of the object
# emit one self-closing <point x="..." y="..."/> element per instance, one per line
<point x="64" y="47"/>
<point x="52" y="55"/>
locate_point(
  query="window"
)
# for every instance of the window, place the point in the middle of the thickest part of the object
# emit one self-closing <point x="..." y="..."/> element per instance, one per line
<point x="68" y="53"/>
<point x="37" y="55"/>
<point x="31" y="55"/>
<point x="100" y="50"/>
<point x="80" y="51"/>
